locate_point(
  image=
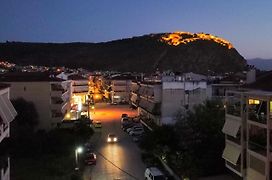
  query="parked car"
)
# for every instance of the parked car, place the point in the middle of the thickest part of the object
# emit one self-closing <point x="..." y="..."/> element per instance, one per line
<point x="90" y="159"/>
<point x="127" y="125"/>
<point x="97" y="124"/>
<point x="137" y="131"/>
<point x="136" y="126"/>
<point x="153" y="173"/>
<point x="125" y="121"/>
<point x="124" y="115"/>
<point x="112" y="138"/>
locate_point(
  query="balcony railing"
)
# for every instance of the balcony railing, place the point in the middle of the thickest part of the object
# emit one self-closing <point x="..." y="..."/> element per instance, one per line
<point x="237" y="140"/>
<point x="257" y="147"/>
<point x="234" y="110"/>
<point x="57" y="87"/>
<point x="261" y="118"/>
<point x="4" y="164"/>
<point x="237" y="167"/>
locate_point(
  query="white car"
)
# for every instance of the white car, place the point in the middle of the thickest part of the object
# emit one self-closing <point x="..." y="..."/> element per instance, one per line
<point x="137" y="131"/>
<point x="153" y="173"/>
<point x="112" y="138"/>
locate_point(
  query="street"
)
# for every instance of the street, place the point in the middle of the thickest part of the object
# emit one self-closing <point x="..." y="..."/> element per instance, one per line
<point x="119" y="161"/>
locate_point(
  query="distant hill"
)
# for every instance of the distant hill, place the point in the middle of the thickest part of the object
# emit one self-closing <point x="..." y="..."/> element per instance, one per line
<point x="262" y="64"/>
<point x="178" y="51"/>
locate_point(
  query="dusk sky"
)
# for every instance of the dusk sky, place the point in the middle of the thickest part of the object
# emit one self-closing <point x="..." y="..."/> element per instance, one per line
<point x="247" y="24"/>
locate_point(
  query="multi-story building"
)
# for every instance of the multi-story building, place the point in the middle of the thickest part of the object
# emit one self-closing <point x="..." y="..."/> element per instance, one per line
<point x="79" y="89"/>
<point x="160" y="101"/>
<point x="7" y="114"/>
<point x="248" y="131"/>
<point x="217" y="88"/>
<point x="50" y="95"/>
<point x="120" y="88"/>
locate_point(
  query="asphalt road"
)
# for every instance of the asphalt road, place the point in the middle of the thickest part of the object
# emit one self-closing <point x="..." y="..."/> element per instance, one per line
<point x="120" y="161"/>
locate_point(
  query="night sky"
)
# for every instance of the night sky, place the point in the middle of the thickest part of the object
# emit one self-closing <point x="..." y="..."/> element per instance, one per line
<point x="247" y="24"/>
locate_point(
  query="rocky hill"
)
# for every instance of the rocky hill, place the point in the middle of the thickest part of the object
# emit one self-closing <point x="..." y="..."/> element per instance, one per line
<point x="179" y="51"/>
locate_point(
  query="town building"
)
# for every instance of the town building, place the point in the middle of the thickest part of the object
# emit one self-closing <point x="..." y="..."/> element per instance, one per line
<point x="248" y="132"/>
<point x="120" y="88"/>
<point x="160" y="101"/>
<point x="49" y="94"/>
<point x="7" y="115"/>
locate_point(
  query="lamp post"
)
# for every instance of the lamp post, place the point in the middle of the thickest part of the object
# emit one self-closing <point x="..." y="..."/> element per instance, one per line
<point x="78" y="150"/>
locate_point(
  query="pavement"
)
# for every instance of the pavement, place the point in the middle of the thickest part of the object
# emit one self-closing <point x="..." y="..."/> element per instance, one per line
<point x="119" y="161"/>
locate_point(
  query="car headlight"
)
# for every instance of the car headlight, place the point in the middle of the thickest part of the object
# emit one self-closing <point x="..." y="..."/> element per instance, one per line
<point x="114" y="139"/>
<point x="109" y="139"/>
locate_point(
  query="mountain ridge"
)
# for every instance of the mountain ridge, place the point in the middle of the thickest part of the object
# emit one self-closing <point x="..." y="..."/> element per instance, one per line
<point x="261" y="63"/>
<point x="141" y="54"/>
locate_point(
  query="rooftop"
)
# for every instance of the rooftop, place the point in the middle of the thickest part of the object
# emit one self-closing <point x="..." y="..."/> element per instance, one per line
<point x="263" y="82"/>
<point x="4" y="86"/>
<point x="76" y="77"/>
<point x="28" y="77"/>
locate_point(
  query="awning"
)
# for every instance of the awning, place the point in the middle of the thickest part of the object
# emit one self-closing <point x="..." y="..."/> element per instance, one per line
<point x="231" y="153"/>
<point x="231" y="127"/>
<point x="7" y="111"/>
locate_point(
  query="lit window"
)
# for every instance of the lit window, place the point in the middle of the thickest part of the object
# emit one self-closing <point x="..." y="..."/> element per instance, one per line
<point x="253" y="101"/>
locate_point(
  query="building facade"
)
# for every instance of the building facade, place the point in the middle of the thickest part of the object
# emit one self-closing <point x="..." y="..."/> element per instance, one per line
<point x="248" y="134"/>
<point x="161" y="101"/>
<point x="50" y="95"/>
<point x="7" y="114"/>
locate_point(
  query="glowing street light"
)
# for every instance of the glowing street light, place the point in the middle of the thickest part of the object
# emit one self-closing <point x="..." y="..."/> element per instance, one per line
<point x="78" y="150"/>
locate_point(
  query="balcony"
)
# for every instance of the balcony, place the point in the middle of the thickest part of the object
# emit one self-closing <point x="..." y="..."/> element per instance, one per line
<point x="4" y="167"/>
<point x="234" y="110"/>
<point x="236" y="140"/>
<point x="56" y="100"/>
<point x="152" y="107"/>
<point x="260" y="118"/>
<point x="4" y="131"/>
<point x="236" y="167"/>
<point x="233" y="104"/>
<point x="80" y="89"/>
<point x="257" y="143"/>
<point x="56" y="114"/>
<point x="257" y="110"/>
<point x="57" y="87"/>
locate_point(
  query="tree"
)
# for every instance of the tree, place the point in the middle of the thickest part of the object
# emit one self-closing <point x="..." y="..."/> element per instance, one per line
<point x="201" y="141"/>
<point x="26" y="119"/>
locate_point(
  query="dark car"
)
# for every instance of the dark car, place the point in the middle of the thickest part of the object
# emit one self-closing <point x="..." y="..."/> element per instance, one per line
<point x="90" y="159"/>
<point x="124" y="115"/>
<point x="128" y="125"/>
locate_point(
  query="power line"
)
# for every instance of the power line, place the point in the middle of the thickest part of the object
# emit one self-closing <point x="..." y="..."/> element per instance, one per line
<point x="124" y="171"/>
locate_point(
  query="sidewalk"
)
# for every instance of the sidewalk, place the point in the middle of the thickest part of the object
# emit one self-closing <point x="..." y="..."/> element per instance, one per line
<point x="220" y="177"/>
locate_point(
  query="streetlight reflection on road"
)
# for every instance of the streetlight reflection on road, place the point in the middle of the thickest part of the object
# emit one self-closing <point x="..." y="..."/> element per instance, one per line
<point x="78" y="150"/>
<point x="114" y="156"/>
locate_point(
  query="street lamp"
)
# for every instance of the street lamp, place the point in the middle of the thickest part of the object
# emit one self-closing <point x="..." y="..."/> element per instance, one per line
<point x="78" y="150"/>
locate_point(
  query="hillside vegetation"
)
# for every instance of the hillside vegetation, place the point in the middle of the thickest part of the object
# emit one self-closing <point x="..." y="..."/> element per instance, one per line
<point x="179" y="51"/>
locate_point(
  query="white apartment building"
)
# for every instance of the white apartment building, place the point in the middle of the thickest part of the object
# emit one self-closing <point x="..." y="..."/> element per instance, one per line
<point x="7" y="114"/>
<point x="160" y="101"/>
<point x="248" y="131"/>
